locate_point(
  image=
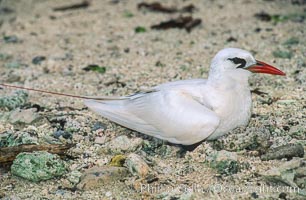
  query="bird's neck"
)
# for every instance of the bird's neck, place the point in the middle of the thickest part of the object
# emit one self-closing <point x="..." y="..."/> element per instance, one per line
<point x="229" y="79"/>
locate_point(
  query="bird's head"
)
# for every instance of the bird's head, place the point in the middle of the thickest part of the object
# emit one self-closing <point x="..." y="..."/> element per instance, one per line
<point x="239" y="63"/>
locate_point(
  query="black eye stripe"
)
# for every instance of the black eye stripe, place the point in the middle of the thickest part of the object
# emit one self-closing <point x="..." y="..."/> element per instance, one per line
<point x="239" y="61"/>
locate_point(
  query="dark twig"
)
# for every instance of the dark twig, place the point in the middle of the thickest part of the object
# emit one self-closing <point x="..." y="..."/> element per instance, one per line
<point x="258" y="92"/>
<point x="83" y="4"/>
<point x="8" y="154"/>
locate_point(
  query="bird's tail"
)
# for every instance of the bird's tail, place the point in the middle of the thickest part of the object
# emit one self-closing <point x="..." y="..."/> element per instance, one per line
<point x="61" y="94"/>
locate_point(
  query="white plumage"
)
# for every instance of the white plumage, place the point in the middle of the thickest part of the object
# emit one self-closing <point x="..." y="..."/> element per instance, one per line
<point x="189" y="111"/>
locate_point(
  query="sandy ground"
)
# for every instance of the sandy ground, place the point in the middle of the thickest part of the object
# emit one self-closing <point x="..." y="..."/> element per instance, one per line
<point x="104" y="34"/>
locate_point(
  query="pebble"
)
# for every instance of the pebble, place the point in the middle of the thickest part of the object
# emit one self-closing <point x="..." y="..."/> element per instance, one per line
<point x="74" y="177"/>
<point x="100" y="140"/>
<point x="102" y="161"/>
<point x="61" y="133"/>
<point x="136" y="165"/>
<point x="298" y="132"/>
<point x="18" y="99"/>
<point x="13" y="64"/>
<point x="38" y="59"/>
<point x="288" y="173"/>
<point x="27" y="116"/>
<point x="11" y="39"/>
<point x="223" y="161"/>
<point x="123" y="144"/>
<point x="285" y="151"/>
<point x="282" y="54"/>
<point x="108" y="194"/>
<point x="16" y="138"/>
<point x="38" y="166"/>
<point x="252" y="138"/>
<point x="5" y="57"/>
<point x="72" y="126"/>
<point x="97" y="126"/>
<point x="98" y="176"/>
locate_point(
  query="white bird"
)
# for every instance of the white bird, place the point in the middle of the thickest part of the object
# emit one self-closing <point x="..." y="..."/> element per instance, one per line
<point x="190" y="111"/>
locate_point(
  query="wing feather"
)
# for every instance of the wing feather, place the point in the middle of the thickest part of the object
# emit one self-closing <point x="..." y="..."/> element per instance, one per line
<point x="169" y="112"/>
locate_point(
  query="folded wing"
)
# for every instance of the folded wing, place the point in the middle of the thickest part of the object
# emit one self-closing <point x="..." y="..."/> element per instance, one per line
<point x="172" y="114"/>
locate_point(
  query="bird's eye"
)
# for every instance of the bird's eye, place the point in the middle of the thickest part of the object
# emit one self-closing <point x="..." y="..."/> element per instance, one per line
<point x="238" y="61"/>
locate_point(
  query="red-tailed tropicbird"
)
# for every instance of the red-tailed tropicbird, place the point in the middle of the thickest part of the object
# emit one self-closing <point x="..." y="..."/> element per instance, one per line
<point x="189" y="111"/>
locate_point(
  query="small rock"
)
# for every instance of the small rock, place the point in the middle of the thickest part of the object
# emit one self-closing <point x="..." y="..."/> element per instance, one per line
<point x="224" y="162"/>
<point x="38" y="166"/>
<point x="254" y="195"/>
<point x="64" y="134"/>
<point x="225" y="155"/>
<point x="98" y="176"/>
<point x="140" y="29"/>
<point x="151" y="178"/>
<point x="95" y="68"/>
<point x="286" y="151"/>
<point x="97" y="126"/>
<point x="156" y="146"/>
<point x="5" y="57"/>
<point x="38" y="59"/>
<point x="136" y="165"/>
<point x="4" y="117"/>
<point x="231" y="39"/>
<point x="28" y="116"/>
<point x="12" y="78"/>
<point x="282" y="195"/>
<point x="288" y="173"/>
<point x="74" y="177"/>
<point x="6" y="10"/>
<point x="282" y="54"/>
<point x="17" y="138"/>
<point x="298" y="132"/>
<point x="100" y="140"/>
<point x="263" y="16"/>
<point x="291" y="41"/>
<point x="253" y="138"/>
<point x="117" y="161"/>
<point x="11" y="39"/>
<point x="108" y="194"/>
<point x="18" y="99"/>
<point x="123" y="144"/>
<point x="72" y="126"/>
<point x="101" y="162"/>
<point x="13" y="64"/>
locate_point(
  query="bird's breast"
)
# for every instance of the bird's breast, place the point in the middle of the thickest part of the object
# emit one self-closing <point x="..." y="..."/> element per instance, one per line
<point x="233" y="107"/>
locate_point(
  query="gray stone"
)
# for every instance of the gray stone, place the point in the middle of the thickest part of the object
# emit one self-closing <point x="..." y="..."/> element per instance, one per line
<point x="250" y="138"/>
<point x="100" y="140"/>
<point x="285" y="151"/>
<point x="28" y="116"/>
<point x="74" y="177"/>
<point x="136" y="165"/>
<point x="291" y="173"/>
<point x="97" y="126"/>
<point x="100" y="176"/>
<point x="123" y="144"/>
<point x="224" y="162"/>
